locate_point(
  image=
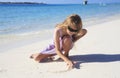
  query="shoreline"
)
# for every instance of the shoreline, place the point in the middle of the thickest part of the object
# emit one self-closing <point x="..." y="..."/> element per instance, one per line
<point x="97" y="55"/>
<point x="21" y="3"/>
<point x="99" y="20"/>
<point x="90" y="21"/>
<point x="11" y="41"/>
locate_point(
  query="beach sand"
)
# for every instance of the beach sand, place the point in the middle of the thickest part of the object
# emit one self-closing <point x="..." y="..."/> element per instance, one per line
<point x="97" y="55"/>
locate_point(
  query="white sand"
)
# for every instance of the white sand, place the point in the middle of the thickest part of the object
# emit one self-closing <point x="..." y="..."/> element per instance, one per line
<point x="97" y="54"/>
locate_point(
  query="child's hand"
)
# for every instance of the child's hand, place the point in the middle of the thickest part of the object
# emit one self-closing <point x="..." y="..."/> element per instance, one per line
<point x="70" y="65"/>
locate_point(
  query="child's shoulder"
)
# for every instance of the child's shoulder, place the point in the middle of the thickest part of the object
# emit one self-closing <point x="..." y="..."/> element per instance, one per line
<point x="58" y="29"/>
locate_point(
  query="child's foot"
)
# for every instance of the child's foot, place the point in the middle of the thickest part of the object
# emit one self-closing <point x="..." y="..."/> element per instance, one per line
<point x="31" y="56"/>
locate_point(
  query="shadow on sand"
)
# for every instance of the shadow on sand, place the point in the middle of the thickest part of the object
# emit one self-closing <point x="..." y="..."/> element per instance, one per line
<point x="94" y="58"/>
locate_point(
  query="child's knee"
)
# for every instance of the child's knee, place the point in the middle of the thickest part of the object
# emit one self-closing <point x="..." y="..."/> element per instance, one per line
<point x="67" y="43"/>
<point x="67" y="40"/>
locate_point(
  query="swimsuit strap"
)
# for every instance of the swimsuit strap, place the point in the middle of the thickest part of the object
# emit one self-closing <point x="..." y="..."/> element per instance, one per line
<point x="60" y="33"/>
<point x="61" y="36"/>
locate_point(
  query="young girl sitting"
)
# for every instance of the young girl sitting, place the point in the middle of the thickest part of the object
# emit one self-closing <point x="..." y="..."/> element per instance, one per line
<point x="65" y="35"/>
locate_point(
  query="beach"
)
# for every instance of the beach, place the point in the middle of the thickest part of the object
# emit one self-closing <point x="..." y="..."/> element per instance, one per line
<point x="97" y="55"/>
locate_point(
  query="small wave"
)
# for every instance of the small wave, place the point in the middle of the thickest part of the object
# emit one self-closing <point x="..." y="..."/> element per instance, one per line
<point x="41" y="32"/>
<point x="33" y="34"/>
<point x="99" y="19"/>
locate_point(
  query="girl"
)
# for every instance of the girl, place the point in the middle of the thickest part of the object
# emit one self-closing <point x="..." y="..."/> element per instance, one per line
<point x="65" y="35"/>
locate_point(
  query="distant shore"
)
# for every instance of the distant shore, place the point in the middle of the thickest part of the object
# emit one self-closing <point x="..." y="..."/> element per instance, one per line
<point x="21" y="3"/>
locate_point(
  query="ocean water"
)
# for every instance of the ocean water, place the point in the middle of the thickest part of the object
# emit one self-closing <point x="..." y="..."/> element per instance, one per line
<point x="26" y="23"/>
<point x="31" y="18"/>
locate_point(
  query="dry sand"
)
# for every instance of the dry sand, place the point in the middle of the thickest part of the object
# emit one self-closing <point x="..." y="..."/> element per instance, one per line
<point x="97" y="56"/>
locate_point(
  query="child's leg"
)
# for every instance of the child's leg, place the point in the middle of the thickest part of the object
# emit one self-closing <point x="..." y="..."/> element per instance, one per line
<point x="67" y="44"/>
<point x="33" y="56"/>
<point x="39" y="57"/>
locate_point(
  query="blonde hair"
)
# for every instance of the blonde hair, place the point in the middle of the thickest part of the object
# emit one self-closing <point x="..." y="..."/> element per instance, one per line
<point x="72" y="20"/>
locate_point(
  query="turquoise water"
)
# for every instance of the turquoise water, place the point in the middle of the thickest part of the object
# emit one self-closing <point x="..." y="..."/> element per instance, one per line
<point x="24" y="18"/>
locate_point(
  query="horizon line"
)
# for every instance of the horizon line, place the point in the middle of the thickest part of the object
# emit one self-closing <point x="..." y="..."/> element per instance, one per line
<point x="30" y="2"/>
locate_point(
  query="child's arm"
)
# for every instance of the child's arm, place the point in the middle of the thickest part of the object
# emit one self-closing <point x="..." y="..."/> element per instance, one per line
<point x="58" y="51"/>
<point x="79" y="35"/>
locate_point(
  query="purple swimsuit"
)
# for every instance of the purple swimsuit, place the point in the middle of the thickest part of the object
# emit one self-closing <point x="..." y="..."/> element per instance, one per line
<point x="50" y="49"/>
